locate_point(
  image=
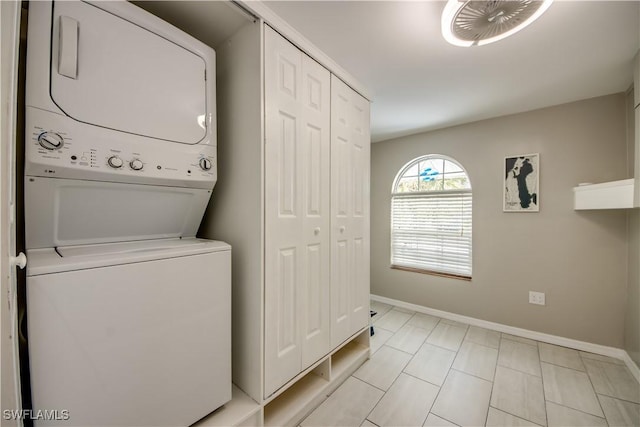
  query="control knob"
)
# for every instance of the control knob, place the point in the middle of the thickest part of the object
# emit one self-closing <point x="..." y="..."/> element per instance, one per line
<point x="50" y="140"/>
<point x="136" y="164"/>
<point x="205" y="164"/>
<point x="115" y="162"/>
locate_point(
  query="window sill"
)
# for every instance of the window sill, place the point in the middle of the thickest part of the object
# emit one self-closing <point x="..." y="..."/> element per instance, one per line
<point x="432" y="273"/>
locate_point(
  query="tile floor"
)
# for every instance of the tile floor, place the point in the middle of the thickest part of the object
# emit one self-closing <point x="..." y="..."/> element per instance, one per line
<point x="427" y="371"/>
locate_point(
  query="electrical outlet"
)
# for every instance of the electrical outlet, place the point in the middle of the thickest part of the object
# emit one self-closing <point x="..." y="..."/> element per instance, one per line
<point x="536" y="298"/>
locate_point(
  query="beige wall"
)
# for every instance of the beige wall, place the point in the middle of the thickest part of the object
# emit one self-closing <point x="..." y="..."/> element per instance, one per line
<point x="579" y="259"/>
<point x="632" y="311"/>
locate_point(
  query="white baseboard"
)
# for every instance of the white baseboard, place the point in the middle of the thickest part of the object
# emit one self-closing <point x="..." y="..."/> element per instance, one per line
<point x="616" y="353"/>
<point x="633" y="367"/>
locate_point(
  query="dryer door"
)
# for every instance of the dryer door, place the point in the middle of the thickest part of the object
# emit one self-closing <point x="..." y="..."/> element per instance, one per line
<point x="110" y="72"/>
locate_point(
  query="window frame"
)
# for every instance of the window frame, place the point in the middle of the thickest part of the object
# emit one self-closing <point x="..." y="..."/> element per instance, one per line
<point x="395" y="194"/>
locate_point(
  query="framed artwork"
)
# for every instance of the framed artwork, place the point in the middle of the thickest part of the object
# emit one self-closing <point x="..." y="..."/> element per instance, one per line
<point x="521" y="192"/>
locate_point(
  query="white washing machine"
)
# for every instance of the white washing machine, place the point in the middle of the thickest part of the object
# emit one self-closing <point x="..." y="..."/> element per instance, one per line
<point x="130" y="334"/>
<point x="128" y="313"/>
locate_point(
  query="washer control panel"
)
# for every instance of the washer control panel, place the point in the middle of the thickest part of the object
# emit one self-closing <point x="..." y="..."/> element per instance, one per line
<point x="136" y="164"/>
<point x="83" y="151"/>
<point x="205" y="164"/>
<point x="50" y="141"/>
<point x="115" y="162"/>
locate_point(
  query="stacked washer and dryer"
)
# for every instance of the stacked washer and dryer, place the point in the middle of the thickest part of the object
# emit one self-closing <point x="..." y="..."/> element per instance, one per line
<point x="128" y="313"/>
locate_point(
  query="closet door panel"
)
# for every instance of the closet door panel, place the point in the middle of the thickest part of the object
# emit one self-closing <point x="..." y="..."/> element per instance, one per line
<point x="350" y="151"/>
<point x="360" y="194"/>
<point x="341" y="208"/>
<point x="284" y="253"/>
<point x="315" y="174"/>
<point x="297" y="212"/>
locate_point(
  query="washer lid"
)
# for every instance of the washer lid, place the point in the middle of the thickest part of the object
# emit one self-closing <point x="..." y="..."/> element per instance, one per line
<point x="81" y="257"/>
<point x="110" y="72"/>
<point x="144" y="247"/>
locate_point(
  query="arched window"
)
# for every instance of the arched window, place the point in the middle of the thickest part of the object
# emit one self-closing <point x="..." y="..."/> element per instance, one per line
<point x="431" y="217"/>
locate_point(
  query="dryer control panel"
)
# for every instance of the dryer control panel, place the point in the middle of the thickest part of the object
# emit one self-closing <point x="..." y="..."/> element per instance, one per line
<point x="73" y="150"/>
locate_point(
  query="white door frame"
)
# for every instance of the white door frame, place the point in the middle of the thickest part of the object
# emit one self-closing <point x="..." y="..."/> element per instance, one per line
<point x="10" y="373"/>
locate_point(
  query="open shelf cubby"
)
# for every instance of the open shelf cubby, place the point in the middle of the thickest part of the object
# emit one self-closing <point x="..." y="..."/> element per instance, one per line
<point x="305" y="394"/>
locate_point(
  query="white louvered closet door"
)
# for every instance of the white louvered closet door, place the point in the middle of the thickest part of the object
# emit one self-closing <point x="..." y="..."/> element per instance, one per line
<point x="350" y="160"/>
<point x="297" y="215"/>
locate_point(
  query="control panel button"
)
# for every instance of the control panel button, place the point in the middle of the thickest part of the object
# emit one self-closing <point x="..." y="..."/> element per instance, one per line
<point x="50" y="140"/>
<point x="205" y="164"/>
<point x="136" y="164"/>
<point x="115" y="162"/>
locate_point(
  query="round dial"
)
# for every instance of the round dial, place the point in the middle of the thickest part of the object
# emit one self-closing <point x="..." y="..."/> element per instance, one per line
<point x="115" y="162"/>
<point x="136" y="164"/>
<point x="50" y="140"/>
<point x="205" y="164"/>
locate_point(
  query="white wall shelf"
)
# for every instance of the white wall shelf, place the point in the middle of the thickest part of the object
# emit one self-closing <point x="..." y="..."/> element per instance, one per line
<point x="607" y="195"/>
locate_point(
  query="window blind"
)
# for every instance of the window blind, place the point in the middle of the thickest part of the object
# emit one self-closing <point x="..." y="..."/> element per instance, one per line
<point x="432" y="231"/>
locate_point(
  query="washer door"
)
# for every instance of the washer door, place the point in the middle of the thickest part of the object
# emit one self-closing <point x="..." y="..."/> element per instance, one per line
<point x="65" y="212"/>
<point x="109" y="72"/>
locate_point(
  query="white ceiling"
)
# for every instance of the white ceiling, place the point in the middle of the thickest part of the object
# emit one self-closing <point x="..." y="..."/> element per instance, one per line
<point x="576" y="50"/>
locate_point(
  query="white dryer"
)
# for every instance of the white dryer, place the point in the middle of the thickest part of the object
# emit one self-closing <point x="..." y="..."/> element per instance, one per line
<point x="128" y="313"/>
<point x="120" y="125"/>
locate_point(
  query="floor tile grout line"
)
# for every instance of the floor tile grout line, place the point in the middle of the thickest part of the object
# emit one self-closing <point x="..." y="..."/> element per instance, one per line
<point x="518" y="370"/>
<point x="520" y="417"/>
<point x="604" y="417"/>
<point x="380" y="327"/>
<point x="440" y="390"/>
<point x="423" y="341"/>
<point x="414" y="355"/>
<point x="562" y="366"/>
<point x="617" y="398"/>
<point x="432" y="403"/>
<point x="418" y="378"/>
<point x="384" y="393"/>
<point x="589" y="359"/>
<point x="592" y="389"/>
<point x="399" y="349"/>
<point x="624" y="367"/>
<point x="474" y="376"/>
<point x="574" y="409"/>
<point x="565" y="406"/>
<point x="544" y="393"/>
<point x="477" y="343"/>
<point x="493" y="383"/>
<point x="502" y="335"/>
<point x="376" y="404"/>
<point x="394" y="348"/>
<point x="398" y="311"/>
<point x="459" y="347"/>
<point x="368" y="383"/>
<point x="436" y="345"/>
<point x="440" y="416"/>
<point x="395" y="380"/>
<point x="565" y="349"/>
